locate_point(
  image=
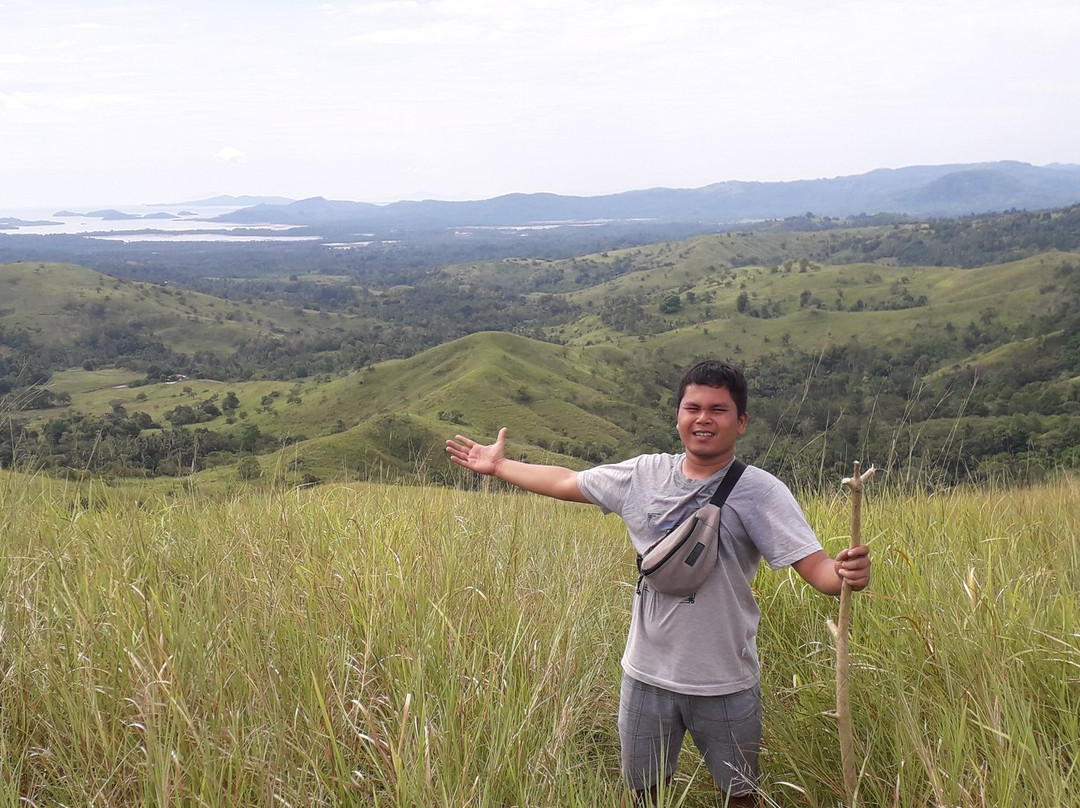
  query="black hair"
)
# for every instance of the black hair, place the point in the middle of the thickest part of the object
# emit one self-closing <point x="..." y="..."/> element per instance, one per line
<point x="715" y="373"/>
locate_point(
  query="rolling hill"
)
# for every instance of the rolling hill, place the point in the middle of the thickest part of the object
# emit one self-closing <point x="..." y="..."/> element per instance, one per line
<point x="62" y="315"/>
<point x="970" y="370"/>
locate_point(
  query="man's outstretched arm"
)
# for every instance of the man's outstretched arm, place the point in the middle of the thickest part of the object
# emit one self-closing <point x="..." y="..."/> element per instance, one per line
<point x="490" y="459"/>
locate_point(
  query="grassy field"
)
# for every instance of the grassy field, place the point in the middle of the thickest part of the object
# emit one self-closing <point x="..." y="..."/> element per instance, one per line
<point x="378" y="645"/>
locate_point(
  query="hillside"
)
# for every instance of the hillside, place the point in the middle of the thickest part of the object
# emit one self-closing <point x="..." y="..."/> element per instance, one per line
<point x="931" y="371"/>
<point x="57" y="316"/>
<point x="559" y="404"/>
<point x="63" y="307"/>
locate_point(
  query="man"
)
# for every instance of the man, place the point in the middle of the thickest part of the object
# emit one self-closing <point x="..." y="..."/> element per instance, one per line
<point x="691" y="664"/>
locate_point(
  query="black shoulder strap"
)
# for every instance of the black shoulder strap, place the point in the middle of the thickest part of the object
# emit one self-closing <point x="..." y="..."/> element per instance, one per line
<point x="734" y="472"/>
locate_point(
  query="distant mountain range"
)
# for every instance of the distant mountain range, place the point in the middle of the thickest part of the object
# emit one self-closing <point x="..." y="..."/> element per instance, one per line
<point x="925" y="191"/>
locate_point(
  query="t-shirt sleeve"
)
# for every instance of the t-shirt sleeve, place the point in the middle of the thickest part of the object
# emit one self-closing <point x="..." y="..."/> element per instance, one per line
<point x="779" y="528"/>
<point x="608" y="486"/>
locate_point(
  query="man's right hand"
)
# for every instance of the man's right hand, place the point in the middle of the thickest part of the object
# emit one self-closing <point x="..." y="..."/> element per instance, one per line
<point x="551" y="481"/>
<point x="475" y="456"/>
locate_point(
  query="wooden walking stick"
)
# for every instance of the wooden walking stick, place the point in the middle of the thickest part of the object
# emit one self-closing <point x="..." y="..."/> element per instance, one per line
<point x="841" y="631"/>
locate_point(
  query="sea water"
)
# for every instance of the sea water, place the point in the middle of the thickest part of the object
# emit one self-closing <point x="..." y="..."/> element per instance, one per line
<point x="191" y="223"/>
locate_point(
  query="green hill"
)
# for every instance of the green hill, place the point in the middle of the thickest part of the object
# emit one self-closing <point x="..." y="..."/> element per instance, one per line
<point x="56" y="316"/>
<point x="62" y="306"/>
<point x="391" y="420"/>
<point x="931" y="370"/>
<point x="758" y="308"/>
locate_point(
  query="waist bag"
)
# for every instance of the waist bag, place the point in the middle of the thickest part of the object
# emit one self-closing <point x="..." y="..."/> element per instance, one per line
<point x="678" y="563"/>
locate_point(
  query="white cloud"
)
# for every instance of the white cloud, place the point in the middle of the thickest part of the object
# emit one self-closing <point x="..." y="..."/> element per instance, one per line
<point x="230" y="155"/>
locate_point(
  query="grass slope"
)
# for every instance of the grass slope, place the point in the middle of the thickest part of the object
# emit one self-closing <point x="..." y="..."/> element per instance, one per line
<point x="59" y="305"/>
<point x="391" y="420"/>
<point x="398" y="414"/>
<point x="818" y="306"/>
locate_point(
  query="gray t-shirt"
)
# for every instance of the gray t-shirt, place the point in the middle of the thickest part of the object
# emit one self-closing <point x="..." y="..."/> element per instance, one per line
<point x="703" y="645"/>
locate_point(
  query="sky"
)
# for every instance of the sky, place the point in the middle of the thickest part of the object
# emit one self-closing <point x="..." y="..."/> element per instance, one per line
<point x="128" y="102"/>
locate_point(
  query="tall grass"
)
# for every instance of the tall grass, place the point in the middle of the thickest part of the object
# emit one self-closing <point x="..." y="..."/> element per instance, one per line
<point x="377" y="645"/>
<point x="966" y="690"/>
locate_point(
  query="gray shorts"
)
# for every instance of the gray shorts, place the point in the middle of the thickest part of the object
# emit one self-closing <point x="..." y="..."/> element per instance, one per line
<point x="726" y="730"/>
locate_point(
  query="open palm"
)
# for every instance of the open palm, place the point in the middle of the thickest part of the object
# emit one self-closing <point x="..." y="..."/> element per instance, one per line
<point x="478" y="457"/>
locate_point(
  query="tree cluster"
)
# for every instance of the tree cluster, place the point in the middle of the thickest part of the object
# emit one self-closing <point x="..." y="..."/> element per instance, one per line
<point x="131" y="444"/>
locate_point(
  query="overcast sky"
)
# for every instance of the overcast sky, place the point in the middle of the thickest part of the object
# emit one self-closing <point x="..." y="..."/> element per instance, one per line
<point x="141" y="101"/>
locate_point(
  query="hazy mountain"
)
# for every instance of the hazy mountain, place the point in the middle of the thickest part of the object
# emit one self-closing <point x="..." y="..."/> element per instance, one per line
<point x="228" y="201"/>
<point x="947" y="190"/>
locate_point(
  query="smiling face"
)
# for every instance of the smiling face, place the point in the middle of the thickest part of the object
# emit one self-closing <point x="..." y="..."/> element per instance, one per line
<point x="709" y="424"/>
